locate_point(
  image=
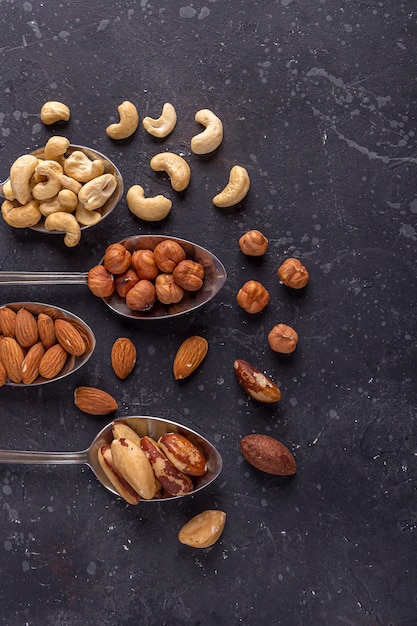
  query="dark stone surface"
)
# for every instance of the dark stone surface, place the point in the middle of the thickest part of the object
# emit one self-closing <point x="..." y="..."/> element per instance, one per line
<point x="318" y="101"/>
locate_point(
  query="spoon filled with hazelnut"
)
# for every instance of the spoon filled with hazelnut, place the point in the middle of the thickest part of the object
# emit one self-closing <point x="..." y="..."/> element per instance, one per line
<point x="140" y="459"/>
<point x="143" y="277"/>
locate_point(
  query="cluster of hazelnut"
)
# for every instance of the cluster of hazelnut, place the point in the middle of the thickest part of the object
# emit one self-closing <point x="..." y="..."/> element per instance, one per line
<point x="145" y="276"/>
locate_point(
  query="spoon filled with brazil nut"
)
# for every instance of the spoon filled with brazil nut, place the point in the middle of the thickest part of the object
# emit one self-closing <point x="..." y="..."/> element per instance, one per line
<point x="140" y="459"/>
<point x="143" y="277"/>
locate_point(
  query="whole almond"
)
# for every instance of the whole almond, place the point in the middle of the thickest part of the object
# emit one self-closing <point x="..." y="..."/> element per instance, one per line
<point x="268" y="455"/>
<point x="52" y="361"/>
<point x="26" y="328"/>
<point x="94" y="401"/>
<point x="189" y="356"/>
<point x="69" y="337"/>
<point x="7" y="321"/>
<point x="30" y="365"/>
<point x="3" y="375"/>
<point x="46" y="329"/>
<point x="123" y="357"/>
<point x="12" y="356"/>
<point x="255" y="383"/>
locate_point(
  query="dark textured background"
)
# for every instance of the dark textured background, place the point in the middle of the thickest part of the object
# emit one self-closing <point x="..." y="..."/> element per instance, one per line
<point x="318" y="102"/>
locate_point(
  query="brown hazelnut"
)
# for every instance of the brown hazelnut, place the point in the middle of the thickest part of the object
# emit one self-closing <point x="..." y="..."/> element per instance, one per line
<point x="167" y="255"/>
<point x="293" y="273"/>
<point x="283" y="338"/>
<point x="100" y="281"/>
<point x="116" y="258"/>
<point x="167" y="290"/>
<point x="142" y="296"/>
<point x="253" y="243"/>
<point x="252" y="297"/>
<point x="144" y="263"/>
<point x="189" y="275"/>
<point x="124" y="282"/>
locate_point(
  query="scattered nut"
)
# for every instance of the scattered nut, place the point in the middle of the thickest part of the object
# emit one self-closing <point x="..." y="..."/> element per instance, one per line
<point x="236" y="189"/>
<point x="253" y="243"/>
<point x="255" y="383"/>
<point x="54" y="111"/>
<point x="212" y="135"/>
<point x="203" y="530"/>
<point x="268" y="455"/>
<point x="123" y="357"/>
<point x="252" y="297"/>
<point x="94" y="401"/>
<point x="163" y="125"/>
<point x="293" y="273"/>
<point x="189" y="356"/>
<point x="149" y="209"/>
<point x="129" y="121"/>
<point x="175" y="166"/>
<point x="282" y="338"/>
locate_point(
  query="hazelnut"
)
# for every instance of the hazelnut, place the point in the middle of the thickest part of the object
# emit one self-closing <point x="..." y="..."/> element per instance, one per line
<point x="142" y="296"/>
<point x="116" y="258"/>
<point x="167" y="255"/>
<point x="100" y="281"/>
<point x="252" y="297"/>
<point x="124" y="282"/>
<point x="144" y="263"/>
<point x="253" y="243"/>
<point x="283" y="338"/>
<point x="167" y="290"/>
<point x="293" y="273"/>
<point x="189" y="275"/>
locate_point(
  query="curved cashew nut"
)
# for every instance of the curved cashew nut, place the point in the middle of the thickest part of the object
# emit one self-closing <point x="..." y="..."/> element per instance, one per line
<point x="175" y="166"/>
<point x="66" y="201"/>
<point x="86" y="217"/>
<point x="70" y="183"/>
<point x="212" y="135"/>
<point x="65" y="222"/>
<point x="148" y="209"/>
<point x="95" y="193"/>
<point x="164" y="125"/>
<point x="235" y="190"/>
<point x="81" y="168"/>
<point x="21" y="216"/>
<point x="21" y="172"/>
<point x="54" y="111"/>
<point x="55" y="148"/>
<point x="7" y="190"/>
<point x="48" y="189"/>
<point x="129" y="121"/>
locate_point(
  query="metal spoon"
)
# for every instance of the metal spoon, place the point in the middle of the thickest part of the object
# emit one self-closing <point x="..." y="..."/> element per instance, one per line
<point x="214" y="279"/>
<point x="152" y="426"/>
<point x="109" y="168"/>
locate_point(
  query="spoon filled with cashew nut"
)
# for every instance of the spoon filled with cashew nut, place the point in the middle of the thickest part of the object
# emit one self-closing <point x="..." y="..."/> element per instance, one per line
<point x="140" y="459"/>
<point x="143" y="277"/>
<point x="60" y="188"/>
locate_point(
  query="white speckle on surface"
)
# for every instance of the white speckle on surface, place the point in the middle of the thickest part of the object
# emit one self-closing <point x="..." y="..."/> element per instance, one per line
<point x="205" y="12"/>
<point x="91" y="568"/>
<point x="25" y="566"/>
<point x="27" y="6"/>
<point x="151" y="350"/>
<point x="7" y="545"/>
<point x="7" y="490"/>
<point x="103" y="25"/>
<point x="187" y="12"/>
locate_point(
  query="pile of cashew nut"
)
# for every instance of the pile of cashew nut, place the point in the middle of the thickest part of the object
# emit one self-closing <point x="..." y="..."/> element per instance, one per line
<point x="67" y="191"/>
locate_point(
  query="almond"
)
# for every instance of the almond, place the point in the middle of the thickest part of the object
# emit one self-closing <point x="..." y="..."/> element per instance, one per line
<point x="189" y="356"/>
<point x="123" y="357"/>
<point x="7" y="321"/>
<point x="94" y="401"/>
<point x="12" y="356"/>
<point x="255" y="383"/>
<point x="46" y="329"/>
<point x="30" y="365"/>
<point x="3" y="375"/>
<point x="26" y="328"/>
<point x="69" y="337"/>
<point x="268" y="455"/>
<point x="53" y="361"/>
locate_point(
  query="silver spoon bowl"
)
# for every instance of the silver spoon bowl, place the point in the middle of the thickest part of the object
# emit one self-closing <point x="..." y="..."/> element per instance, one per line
<point x="214" y="279"/>
<point x="109" y="168"/>
<point x="151" y="426"/>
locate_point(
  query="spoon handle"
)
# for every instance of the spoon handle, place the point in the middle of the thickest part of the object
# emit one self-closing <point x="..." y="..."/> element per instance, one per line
<point x="42" y="458"/>
<point x="48" y="278"/>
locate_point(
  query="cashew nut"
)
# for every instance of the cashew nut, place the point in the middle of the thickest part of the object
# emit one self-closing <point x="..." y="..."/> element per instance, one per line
<point x="81" y="168"/>
<point x="175" y="166"/>
<point x="54" y="111"/>
<point x="7" y="190"/>
<point x="129" y="121"/>
<point x="55" y="148"/>
<point x="148" y="209"/>
<point x="235" y="190"/>
<point x="95" y="193"/>
<point x="69" y="183"/>
<point x="21" y="216"/>
<point x="212" y="135"/>
<point x="21" y="172"/>
<point x="51" y="186"/>
<point x="86" y="217"/>
<point x="65" y="222"/>
<point x="164" y="125"/>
